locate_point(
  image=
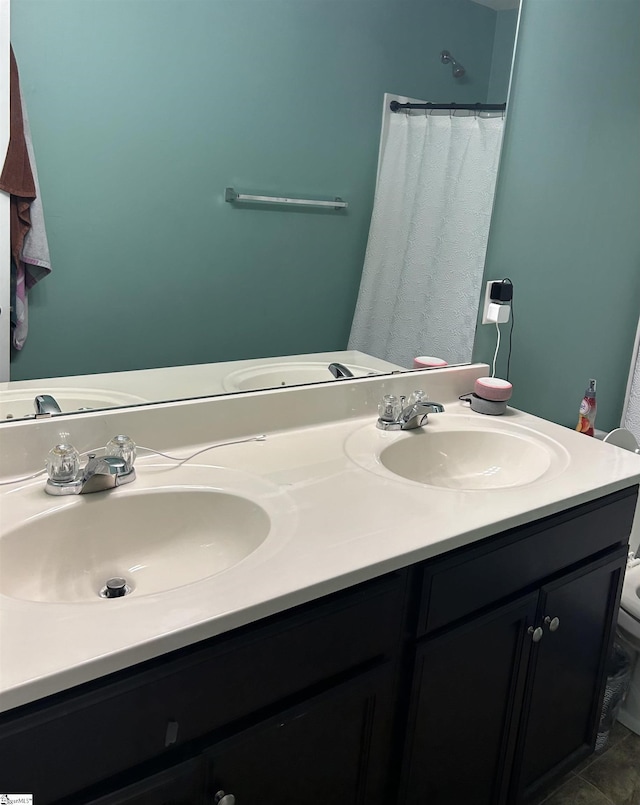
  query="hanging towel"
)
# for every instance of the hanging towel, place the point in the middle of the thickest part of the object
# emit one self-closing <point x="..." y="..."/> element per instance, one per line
<point x="35" y="247"/>
<point x="29" y="249"/>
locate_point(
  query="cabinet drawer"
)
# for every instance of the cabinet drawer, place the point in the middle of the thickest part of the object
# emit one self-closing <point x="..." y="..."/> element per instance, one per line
<point x="477" y="577"/>
<point x="182" y="784"/>
<point x="97" y="730"/>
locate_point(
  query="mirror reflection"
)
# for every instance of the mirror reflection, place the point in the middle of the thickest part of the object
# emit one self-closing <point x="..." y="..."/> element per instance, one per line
<point x="143" y="112"/>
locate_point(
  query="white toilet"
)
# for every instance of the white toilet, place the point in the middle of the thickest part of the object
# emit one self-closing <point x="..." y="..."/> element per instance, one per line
<point x="629" y="636"/>
<point x="628" y="632"/>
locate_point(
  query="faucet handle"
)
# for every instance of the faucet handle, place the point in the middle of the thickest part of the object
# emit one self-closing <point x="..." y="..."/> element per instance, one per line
<point x="122" y="447"/>
<point x="390" y="408"/>
<point x="417" y="396"/>
<point x="63" y="463"/>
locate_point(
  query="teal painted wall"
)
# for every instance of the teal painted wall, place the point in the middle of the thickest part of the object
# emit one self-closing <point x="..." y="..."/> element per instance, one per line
<point x="505" y="34"/>
<point x="142" y="112"/>
<point x="567" y="208"/>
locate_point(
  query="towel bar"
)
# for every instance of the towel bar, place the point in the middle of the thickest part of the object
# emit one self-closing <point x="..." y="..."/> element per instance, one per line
<point x="231" y="195"/>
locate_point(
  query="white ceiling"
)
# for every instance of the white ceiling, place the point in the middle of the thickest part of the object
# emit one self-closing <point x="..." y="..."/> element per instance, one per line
<point x="499" y="5"/>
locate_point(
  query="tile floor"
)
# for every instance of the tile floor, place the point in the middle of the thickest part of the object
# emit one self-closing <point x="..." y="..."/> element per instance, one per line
<point x="611" y="778"/>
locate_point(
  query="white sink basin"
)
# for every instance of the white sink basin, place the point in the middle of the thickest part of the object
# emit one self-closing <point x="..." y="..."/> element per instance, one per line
<point x="274" y="375"/>
<point x="156" y="539"/>
<point x="460" y="452"/>
<point x="19" y="404"/>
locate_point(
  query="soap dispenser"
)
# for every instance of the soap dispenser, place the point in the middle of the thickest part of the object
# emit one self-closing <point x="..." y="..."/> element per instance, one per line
<point x="588" y="409"/>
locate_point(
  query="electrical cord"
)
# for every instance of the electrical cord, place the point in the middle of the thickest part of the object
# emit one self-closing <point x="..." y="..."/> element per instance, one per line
<point x="24" y="478"/>
<point x="495" y="354"/>
<point x="180" y="461"/>
<point x="513" y="321"/>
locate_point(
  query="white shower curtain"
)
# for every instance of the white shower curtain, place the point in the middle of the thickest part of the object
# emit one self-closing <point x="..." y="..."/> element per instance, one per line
<point x="425" y="255"/>
<point x="631" y="411"/>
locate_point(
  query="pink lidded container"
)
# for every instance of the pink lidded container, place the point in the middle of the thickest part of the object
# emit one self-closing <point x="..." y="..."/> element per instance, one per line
<point x="493" y="388"/>
<point x="428" y="362"/>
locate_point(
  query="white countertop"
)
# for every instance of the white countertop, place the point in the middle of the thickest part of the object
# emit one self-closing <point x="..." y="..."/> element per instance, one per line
<point x="336" y="522"/>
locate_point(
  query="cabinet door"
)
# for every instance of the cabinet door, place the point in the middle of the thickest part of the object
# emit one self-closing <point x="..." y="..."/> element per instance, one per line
<point x="568" y="671"/>
<point x="464" y="709"/>
<point x="182" y="784"/>
<point x="333" y="748"/>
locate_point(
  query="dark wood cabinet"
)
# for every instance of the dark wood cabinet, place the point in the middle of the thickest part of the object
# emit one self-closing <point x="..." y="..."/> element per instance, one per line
<point x="332" y="748"/>
<point x="466" y="696"/>
<point x="106" y="735"/>
<point x="577" y="614"/>
<point x="335" y="742"/>
<point x="475" y="677"/>
<point x="510" y="659"/>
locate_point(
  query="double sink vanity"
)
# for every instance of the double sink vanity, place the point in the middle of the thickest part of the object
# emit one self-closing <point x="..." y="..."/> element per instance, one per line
<point x="318" y="609"/>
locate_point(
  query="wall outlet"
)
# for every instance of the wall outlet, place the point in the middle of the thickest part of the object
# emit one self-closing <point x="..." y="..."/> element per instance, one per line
<point x="504" y="314"/>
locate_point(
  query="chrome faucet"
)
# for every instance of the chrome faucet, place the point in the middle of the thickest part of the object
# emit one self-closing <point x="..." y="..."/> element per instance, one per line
<point x="339" y="370"/>
<point x="45" y="405"/>
<point x="395" y="414"/>
<point x="415" y="416"/>
<point x="66" y="477"/>
<point x="105" y="472"/>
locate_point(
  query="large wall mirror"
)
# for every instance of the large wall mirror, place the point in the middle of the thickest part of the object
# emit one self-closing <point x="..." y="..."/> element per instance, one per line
<point x="142" y="113"/>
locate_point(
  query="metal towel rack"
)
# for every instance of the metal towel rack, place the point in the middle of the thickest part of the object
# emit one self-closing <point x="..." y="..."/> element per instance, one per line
<point x="231" y="195"/>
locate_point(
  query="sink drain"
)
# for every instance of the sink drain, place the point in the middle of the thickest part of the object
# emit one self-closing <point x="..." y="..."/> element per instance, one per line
<point x="115" y="588"/>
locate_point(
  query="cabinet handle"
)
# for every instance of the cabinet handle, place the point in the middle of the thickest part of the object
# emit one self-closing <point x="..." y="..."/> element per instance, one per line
<point x="552" y="623"/>
<point x="171" y="735"/>
<point x="220" y="798"/>
<point x="536" y="634"/>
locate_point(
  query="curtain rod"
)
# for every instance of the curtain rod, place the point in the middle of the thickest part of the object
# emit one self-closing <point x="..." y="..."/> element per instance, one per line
<point x="473" y="107"/>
